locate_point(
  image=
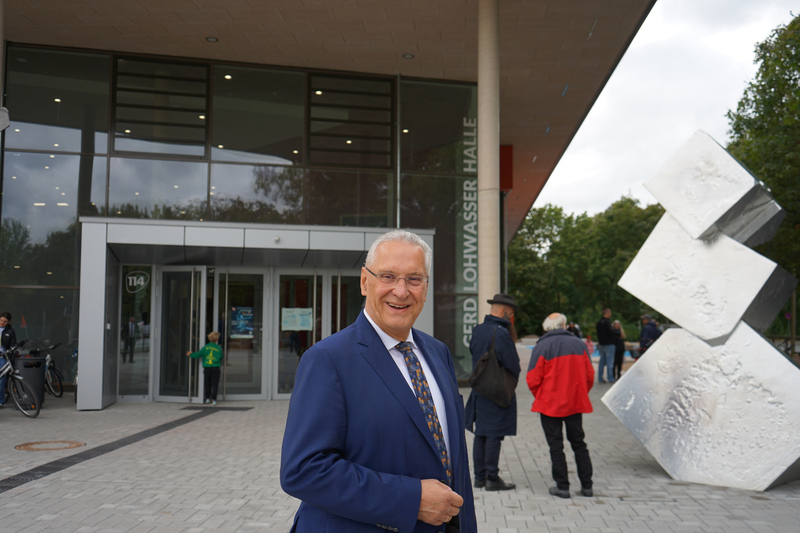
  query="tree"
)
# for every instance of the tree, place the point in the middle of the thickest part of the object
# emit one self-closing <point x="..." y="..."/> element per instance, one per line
<point x="765" y="132"/>
<point x="571" y="264"/>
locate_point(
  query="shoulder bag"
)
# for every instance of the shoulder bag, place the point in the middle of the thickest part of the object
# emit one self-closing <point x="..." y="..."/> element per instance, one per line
<point x="492" y="380"/>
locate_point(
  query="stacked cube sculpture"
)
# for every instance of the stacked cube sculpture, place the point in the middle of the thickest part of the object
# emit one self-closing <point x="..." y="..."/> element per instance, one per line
<point x="712" y="401"/>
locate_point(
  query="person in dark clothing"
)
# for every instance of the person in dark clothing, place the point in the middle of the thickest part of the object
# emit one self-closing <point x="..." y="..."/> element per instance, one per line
<point x="560" y="376"/>
<point x="605" y="346"/>
<point x="575" y="329"/>
<point x="619" y="344"/>
<point x="650" y="333"/>
<point x="488" y="421"/>
<point x="8" y="341"/>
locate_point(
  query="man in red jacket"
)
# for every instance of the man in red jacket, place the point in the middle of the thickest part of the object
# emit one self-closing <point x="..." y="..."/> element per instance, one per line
<point x="560" y="376"/>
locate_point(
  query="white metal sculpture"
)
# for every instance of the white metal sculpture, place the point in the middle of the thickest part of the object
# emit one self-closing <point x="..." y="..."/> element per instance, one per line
<point x="713" y="401"/>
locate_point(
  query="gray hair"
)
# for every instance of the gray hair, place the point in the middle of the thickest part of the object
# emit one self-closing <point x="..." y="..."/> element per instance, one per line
<point x="399" y="235"/>
<point x="554" y="321"/>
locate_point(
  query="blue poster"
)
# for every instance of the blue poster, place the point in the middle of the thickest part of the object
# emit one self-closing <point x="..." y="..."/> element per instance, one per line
<point x="241" y="326"/>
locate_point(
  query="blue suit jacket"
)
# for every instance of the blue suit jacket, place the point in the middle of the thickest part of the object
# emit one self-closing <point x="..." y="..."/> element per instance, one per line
<point x="356" y="443"/>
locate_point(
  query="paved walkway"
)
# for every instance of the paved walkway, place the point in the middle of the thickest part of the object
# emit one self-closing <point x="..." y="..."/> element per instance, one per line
<point x="146" y="469"/>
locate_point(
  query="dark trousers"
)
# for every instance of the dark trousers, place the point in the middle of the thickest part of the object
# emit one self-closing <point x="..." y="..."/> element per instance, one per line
<point x="130" y="343"/>
<point x="555" y="439"/>
<point x="619" y="357"/>
<point x="210" y="382"/>
<point x="486" y="455"/>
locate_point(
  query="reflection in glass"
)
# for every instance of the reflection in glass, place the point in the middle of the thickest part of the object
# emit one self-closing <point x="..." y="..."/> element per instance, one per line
<point x="261" y="194"/>
<point x="241" y="332"/>
<point x="46" y="317"/>
<point x="58" y="100"/>
<point x="258" y="115"/>
<point x="146" y="188"/>
<point x="298" y="322"/>
<point x="435" y="202"/>
<point x="349" y="199"/>
<point x="134" y="340"/>
<point x="434" y="136"/>
<point x="161" y="107"/>
<point x="346" y="301"/>
<point x="179" y="330"/>
<point x="42" y="198"/>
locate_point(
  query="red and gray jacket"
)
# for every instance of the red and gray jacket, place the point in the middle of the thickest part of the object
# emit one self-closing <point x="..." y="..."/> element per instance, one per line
<point x="560" y="375"/>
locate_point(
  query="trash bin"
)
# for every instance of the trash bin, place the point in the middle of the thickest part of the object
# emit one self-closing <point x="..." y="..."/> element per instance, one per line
<point x="32" y="370"/>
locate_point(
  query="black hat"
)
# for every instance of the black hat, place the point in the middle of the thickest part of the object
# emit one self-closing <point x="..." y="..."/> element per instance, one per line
<point x="504" y="299"/>
<point x="648" y="317"/>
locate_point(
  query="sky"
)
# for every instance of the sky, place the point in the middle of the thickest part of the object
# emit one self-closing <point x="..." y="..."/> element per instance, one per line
<point x="688" y="65"/>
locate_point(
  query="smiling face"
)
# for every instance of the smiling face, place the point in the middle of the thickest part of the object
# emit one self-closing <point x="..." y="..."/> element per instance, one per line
<point x="395" y="309"/>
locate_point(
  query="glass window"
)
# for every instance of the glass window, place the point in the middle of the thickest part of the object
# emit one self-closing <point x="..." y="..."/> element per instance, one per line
<point x="300" y="324"/>
<point x="346" y="301"/>
<point x="258" y="115"/>
<point x="134" y="339"/>
<point x="448" y="204"/>
<point x="58" y="100"/>
<point x="146" y="188"/>
<point x="350" y="122"/>
<point x="335" y="198"/>
<point x="161" y="107"/>
<point x="241" y="327"/>
<point x="43" y="194"/>
<point x="46" y="317"/>
<point x="258" y="194"/>
<point x="439" y="127"/>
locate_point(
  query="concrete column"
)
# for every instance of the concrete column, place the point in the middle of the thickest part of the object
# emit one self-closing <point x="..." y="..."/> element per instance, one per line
<point x="489" y="238"/>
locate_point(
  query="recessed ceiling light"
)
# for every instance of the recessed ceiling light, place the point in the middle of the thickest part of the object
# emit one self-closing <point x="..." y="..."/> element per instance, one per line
<point x="318" y="92"/>
<point x="52" y="156"/>
<point x="57" y="100"/>
<point x="175" y="186"/>
<point x="405" y="131"/>
<point x="348" y="141"/>
<point x="228" y="76"/>
<point x="49" y="273"/>
<point x="220" y="146"/>
<point x="212" y="39"/>
<point x="62" y="205"/>
<point x="39" y="204"/>
<point x="56" y="145"/>
<point x="293" y="151"/>
<point x="16" y="266"/>
<point x="408" y="56"/>
<point x="127" y="131"/>
<point x="136" y="193"/>
<point x="17" y="130"/>
<point x="202" y="117"/>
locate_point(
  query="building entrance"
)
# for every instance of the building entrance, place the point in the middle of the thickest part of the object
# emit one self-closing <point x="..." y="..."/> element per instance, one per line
<point x="181" y="319"/>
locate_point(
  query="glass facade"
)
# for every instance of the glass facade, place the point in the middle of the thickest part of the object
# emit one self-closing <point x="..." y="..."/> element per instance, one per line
<point x="206" y="141"/>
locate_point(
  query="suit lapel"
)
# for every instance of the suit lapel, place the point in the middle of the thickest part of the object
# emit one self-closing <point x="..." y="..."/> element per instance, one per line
<point x="379" y="359"/>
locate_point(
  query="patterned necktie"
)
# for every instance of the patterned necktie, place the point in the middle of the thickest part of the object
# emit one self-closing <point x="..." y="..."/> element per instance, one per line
<point x="423" y="392"/>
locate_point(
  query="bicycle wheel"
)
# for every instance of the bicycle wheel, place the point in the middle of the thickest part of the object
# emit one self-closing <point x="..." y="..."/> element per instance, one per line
<point x="53" y="382"/>
<point x="24" y="397"/>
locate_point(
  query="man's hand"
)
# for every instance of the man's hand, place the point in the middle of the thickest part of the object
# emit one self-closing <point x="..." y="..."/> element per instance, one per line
<point x="438" y="503"/>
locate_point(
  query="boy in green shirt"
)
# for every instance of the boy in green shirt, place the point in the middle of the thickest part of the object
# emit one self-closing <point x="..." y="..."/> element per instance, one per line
<point x="211" y="354"/>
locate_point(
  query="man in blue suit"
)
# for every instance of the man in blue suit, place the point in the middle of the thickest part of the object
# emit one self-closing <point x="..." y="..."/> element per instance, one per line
<point x="375" y="431"/>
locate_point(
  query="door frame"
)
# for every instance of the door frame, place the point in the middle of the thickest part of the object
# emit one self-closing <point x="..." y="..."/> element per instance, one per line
<point x="156" y="333"/>
<point x="327" y="275"/>
<point x="266" y="328"/>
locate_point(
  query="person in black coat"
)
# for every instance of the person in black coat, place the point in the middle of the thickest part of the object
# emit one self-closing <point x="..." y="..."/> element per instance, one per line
<point x="8" y="341"/>
<point x="619" y="342"/>
<point x="488" y="421"/>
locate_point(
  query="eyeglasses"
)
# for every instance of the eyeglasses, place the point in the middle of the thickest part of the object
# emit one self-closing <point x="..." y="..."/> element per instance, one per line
<point x="390" y="280"/>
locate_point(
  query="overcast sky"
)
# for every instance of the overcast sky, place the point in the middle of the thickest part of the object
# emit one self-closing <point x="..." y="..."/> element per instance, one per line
<point x="688" y="65"/>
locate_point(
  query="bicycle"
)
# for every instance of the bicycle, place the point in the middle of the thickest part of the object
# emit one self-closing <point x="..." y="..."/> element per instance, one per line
<point x="21" y="393"/>
<point x="53" y="378"/>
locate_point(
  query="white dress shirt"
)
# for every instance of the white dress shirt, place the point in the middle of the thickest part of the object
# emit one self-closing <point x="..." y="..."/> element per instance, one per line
<point x="436" y="393"/>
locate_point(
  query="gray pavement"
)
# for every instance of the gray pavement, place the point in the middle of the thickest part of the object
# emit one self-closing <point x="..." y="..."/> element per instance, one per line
<point x="220" y="473"/>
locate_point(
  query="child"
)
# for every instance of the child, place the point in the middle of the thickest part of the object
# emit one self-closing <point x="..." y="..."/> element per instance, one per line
<point x="211" y="354"/>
